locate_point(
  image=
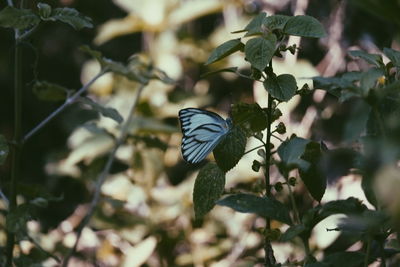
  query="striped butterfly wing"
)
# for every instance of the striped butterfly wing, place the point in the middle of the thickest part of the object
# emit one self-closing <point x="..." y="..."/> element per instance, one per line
<point x="202" y="131"/>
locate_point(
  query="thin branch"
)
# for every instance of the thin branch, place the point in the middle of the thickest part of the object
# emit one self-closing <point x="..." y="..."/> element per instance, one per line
<point x="280" y="139"/>
<point x="257" y="147"/>
<point x="16" y="150"/>
<point x="38" y="246"/>
<point x="69" y="101"/>
<point x="102" y="177"/>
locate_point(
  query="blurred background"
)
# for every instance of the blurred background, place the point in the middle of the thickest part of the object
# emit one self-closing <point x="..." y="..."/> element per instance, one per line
<point x="146" y="213"/>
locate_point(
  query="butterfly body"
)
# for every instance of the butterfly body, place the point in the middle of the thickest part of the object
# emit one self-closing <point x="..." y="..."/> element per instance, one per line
<point x="202" y="131"/>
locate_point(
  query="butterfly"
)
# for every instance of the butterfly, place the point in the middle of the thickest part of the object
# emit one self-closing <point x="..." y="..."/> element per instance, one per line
<point x="202" y="131"/>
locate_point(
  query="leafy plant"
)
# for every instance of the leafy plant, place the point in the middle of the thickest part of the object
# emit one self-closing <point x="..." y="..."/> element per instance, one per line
<point x="376" y="92"/>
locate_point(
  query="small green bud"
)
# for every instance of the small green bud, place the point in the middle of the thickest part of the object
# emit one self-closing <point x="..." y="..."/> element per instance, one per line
<point x="44" y="10"/>
<point x="256" y="166"/>
<point x="281" y="128"/>
<point x="278" y="186"/>
<point x="276" y="114"/>
<point x="292" y="181"/>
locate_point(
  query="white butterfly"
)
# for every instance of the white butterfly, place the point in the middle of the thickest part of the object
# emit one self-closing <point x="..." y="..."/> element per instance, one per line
<point x="202" y="131"/>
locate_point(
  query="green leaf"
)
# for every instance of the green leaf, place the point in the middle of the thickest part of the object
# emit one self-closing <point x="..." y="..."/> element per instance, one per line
<point x="224" y="50"/>
<point x="70" y="16"/>
<point x="111" y="113"/>
<point x="336" y="85"/>
<point x="304" y="26"/>
<point x="292" y="232"/>
<point x="11" y="17"/>
<point x="262" y="206"/>
<point x="208" y="188"/>
<point x="276" y="22"/>
<point x="255" y="25"/>
<point x="259" y="51"/>
<point x="291" y="151"/>
<point x="369" y="79"/>
<point x="373" y="59"/>
<point x="357" y="121"/>
<point x="251" y="117"/>
<point x="49" y="91"/>
<point x="370" y="222"/>
<point x="132" y="72"/>
<point x="313" y="177"/>
<point x="393" y="55"/>
<point x="345" y="258"/>
<point x="4" y="150"/>
<point x="282" y="87"/>
<point x="231" y="149"/>
<point x="347" y="206"/>
<point x="44" y="10"/>
<point x="230" y="69"/>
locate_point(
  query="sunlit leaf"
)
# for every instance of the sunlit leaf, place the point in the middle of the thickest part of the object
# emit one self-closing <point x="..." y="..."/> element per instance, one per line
<point x="208" y="188"/>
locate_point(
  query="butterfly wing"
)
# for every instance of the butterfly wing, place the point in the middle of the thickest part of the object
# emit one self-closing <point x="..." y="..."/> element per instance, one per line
<point x="202" y="131"/>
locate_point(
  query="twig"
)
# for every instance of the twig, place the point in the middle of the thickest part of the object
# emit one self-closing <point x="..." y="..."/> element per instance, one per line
<point x="67" y="102"/>
<point x="257" y="147"/>
<point x="17" y="144"/>
<point x="38" y="246"/>
<point x="101" y="178"/>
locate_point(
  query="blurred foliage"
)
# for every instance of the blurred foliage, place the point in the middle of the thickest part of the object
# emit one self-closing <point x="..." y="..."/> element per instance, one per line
<point x="146" y="214"/>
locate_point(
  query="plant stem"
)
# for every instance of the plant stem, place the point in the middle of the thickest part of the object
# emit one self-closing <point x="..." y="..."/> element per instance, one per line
<point x="367" y="252"/>
<point x="16" y="144"/>
<point x="67" y="102"/>
<point x="269" y="253"/>
<point x="102" y="177"/>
